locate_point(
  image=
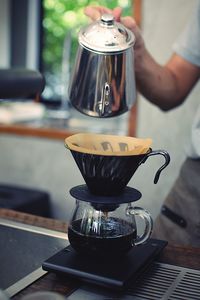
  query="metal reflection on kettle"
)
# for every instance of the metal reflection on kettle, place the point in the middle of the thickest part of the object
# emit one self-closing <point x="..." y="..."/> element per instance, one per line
<point x="103" y="80"/>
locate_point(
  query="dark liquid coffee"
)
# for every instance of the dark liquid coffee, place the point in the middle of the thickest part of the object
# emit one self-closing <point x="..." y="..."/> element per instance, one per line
<point x="116" y="238"/>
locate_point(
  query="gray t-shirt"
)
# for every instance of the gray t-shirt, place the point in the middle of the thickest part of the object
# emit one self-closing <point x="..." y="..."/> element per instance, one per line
<point x="188" y="47"/>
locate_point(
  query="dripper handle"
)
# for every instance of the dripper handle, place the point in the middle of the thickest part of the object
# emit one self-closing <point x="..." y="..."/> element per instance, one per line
<point x="167" y="160"/>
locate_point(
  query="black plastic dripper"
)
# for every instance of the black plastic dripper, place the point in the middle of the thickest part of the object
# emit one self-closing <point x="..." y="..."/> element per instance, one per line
<point x="107" y="175"/>
<point x="107" y="162"/>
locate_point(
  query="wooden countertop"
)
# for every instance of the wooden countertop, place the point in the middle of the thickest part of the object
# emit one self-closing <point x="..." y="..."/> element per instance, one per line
<point x="43" y="132"/>
<point x="181" y="256"/>
<point x="59" y="129"/>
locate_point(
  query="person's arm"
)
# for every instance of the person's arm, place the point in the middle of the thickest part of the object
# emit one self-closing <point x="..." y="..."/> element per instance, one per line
<point x="165" y="86"/>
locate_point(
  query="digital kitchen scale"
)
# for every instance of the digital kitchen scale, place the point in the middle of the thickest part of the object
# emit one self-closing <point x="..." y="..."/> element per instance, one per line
<point x="114" y="274"/>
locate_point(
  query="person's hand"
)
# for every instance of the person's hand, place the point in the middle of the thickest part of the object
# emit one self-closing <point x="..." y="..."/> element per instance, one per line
<point x="95" y="12"/>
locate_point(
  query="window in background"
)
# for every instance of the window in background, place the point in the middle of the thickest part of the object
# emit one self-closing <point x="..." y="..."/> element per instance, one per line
<point x="61" y="22"/>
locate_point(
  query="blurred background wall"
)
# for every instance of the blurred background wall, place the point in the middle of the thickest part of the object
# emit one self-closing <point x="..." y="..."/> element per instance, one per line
<point x="4" y="33"/>
<point x="162" y="22"/>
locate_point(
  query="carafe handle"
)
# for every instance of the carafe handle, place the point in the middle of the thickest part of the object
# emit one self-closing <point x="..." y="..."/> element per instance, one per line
<point x="167" y="160"/>
<point x="145" y="215"/>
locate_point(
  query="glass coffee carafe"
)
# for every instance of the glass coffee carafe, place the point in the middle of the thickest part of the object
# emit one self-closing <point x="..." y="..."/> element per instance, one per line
<point x="106" y="227"/>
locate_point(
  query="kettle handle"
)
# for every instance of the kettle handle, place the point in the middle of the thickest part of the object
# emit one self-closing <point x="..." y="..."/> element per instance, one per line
<point x="167" y="161"/>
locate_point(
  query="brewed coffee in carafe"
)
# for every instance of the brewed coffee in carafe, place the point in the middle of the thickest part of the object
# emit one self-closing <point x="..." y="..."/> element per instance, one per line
<point x="115" y="236"/>
<point x="106" y="227"/>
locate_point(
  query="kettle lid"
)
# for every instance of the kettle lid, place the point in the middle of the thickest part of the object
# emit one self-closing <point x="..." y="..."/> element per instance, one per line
<point x="106" y="35"/>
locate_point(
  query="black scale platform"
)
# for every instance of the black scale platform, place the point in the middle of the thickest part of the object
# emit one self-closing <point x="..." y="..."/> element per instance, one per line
<point x="114" y="274"/>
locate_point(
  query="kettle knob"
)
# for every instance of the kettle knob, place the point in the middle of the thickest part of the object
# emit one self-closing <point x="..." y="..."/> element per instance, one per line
<point x="107" y="19"/>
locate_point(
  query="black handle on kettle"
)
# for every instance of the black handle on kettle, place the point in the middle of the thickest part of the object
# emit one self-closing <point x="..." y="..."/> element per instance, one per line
<point x="167" y="160"/>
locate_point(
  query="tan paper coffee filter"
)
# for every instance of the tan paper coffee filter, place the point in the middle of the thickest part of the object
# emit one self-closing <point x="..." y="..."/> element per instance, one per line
<point x="103" y="144"/>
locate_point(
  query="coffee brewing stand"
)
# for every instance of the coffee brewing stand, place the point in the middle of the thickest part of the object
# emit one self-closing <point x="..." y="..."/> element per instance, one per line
<point x="90" y="257"/>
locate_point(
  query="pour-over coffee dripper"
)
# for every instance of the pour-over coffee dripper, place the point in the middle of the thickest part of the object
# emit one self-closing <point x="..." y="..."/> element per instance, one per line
<point x="103" y="221"/>
<point x="108" y="162"/>
<point x="103" y="230"/>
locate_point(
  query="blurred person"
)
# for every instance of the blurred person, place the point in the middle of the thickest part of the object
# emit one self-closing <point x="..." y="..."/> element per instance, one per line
<point x="167" y="86"/>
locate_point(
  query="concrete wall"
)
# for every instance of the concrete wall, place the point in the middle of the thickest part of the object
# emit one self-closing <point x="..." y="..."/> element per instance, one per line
<point x="48" y="165"/>
<point x="41" y="164"/>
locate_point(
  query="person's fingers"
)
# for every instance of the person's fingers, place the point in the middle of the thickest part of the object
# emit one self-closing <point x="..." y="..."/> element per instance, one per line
<point x="92" y="13"/>
<point x="95" y="12"/>
<point x="129" y="23"/>
<point x="104" y="10"/>
<point x="117" y="13"/>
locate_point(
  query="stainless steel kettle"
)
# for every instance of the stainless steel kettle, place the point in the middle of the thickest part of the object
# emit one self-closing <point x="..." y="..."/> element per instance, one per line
<point x="103" y="80"/>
